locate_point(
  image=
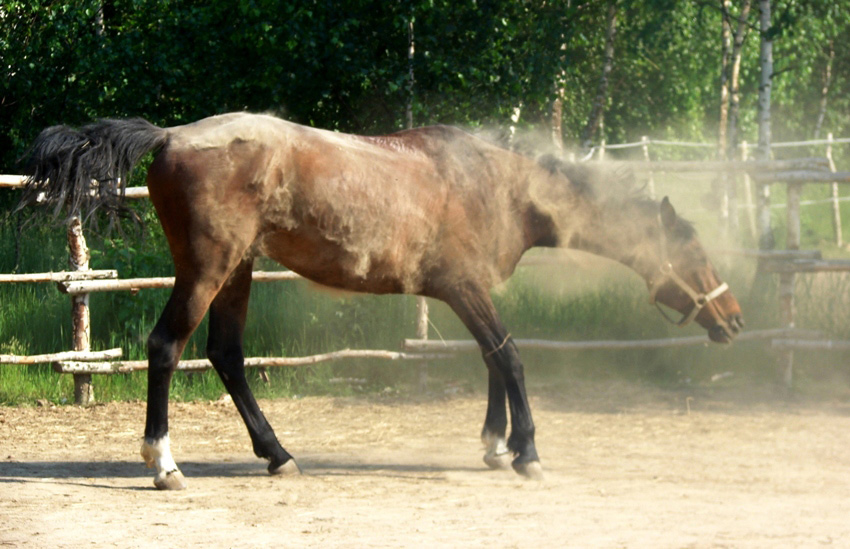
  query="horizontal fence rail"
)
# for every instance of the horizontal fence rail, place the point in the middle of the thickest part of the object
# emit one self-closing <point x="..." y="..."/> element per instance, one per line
<point x="70" y="366"/>
<point x="58" y="277"/>
<point x="454" y="345"/>
<point x="760" y="166"/>
<point x="810" y="345"/>
<point x="686" y="144"/>
<point x="81" y="287"/>
<point x="65" y="355"/>
<point x="808" y="266"/>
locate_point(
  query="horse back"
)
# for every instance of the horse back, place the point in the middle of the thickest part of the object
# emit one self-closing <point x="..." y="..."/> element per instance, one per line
<point x="373" y="214"/>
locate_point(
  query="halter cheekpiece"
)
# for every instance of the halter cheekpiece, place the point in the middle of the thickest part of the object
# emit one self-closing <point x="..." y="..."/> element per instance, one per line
<point x="665" y="273"/>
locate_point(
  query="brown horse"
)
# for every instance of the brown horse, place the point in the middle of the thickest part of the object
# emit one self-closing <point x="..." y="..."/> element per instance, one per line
<point x="431" y="211"/>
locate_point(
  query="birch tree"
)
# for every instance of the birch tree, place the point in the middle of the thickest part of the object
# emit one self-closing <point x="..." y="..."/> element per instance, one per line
<point x="597" y="112"/>
<point x="766" y="239"/>
<point x="726" y="46"/>
<point x="735" y="77"/>
<point x="824" y="94"/>
<point x="729" y="97"/>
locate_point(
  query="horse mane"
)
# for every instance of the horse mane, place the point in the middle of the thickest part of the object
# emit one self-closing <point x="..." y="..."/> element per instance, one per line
<point x="611" y="186"/>
<point x="598" y="181"/>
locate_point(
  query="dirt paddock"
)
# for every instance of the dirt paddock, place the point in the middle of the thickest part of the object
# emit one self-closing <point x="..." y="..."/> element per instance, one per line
<point x="630" y="469"/>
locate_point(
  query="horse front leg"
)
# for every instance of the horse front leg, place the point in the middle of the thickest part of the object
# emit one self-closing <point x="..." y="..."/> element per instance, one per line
<point x="475" y="308"/>
<point x="493" y="435"/>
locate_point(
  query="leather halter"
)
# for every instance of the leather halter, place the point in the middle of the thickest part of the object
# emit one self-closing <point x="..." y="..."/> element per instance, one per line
<point x="665" y="273"/>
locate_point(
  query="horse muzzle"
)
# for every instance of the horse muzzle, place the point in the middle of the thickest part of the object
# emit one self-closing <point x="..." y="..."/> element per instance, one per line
<point x="726" y="331"/>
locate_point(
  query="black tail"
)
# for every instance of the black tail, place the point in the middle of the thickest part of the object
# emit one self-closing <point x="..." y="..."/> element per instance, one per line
<point x="87" y="169"/>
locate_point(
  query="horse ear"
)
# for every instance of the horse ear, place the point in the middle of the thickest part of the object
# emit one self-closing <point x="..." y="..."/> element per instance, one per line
<point x="668" y="214"/>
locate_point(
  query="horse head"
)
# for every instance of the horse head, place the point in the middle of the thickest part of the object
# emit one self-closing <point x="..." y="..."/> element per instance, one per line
<point x="685" y="281"/>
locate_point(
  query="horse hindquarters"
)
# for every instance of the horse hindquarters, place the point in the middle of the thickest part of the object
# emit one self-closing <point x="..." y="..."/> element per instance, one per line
<point x="207" y="245"/>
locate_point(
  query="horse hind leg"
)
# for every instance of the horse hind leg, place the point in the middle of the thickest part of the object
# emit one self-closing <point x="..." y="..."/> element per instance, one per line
<point x="185" y="308"/>
<point x="225" y="351"/>
<point x="157" y="453"/>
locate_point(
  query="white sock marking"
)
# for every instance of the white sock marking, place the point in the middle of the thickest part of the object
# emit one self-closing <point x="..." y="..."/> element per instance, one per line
<point x="495" y="445"/>
<point x="158" y="452"/>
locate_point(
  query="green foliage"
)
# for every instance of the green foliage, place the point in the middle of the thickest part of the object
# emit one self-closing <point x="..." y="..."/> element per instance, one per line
<point x="343" y="65"/>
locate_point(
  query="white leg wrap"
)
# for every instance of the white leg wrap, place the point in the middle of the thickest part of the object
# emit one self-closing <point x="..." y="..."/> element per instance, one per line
<point x="495" y="444"/>
<point x="497" y="455"/>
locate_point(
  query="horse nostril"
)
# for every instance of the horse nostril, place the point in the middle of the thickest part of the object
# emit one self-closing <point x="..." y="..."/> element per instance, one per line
<point x="737" y="323"/>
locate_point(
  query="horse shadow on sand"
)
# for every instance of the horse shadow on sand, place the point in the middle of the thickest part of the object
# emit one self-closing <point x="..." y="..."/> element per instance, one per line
<point x="89" y="473"/>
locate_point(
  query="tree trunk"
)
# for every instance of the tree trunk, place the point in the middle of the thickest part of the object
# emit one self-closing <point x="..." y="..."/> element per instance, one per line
<point x="99" y="24"/>
<point x="766" y="240"/>
<point x="734" y="80"/>
<point x="558" y="91"/>
<point x="517" y="112"/>
<point x="720" y="183"/>
<point x="726" y="46"/>
<point x="595" y="117"/>
<point x="557" y="132"/>
<point x="732" y="122"/>
<point x="827" y="81"/>
<point x="410" y="80"/>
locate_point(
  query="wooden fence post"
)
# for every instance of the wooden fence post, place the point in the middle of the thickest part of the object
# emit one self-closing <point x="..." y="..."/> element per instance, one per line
<point x="836" y="206"/>
<point x="788" y="280"/>
<point x="651" y="183"/>
<point x="720" y="189"/>
<point x="422" y="334"/>
<point x="730" y="180"/>
<point x="748" y="192"/>
<point x="766" y="240"/>
<point x="80" y="316"/>
<point x="602" y="150"/>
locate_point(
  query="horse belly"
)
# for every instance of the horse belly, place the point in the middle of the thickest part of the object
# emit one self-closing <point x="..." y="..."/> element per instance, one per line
<point x="332" y="264"/>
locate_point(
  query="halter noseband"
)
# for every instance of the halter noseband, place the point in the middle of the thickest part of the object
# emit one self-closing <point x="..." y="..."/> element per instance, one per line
<point x="665" y="273"/>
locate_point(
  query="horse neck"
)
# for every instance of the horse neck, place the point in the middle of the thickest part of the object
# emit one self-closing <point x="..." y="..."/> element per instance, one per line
<point x="568" y="211"/>
<point x="625" y="231"/>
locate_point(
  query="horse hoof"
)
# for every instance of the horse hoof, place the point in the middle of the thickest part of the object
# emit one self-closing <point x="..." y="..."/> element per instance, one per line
<point x="288" y="467"/>
<point x="170" y="481"/>
<point x="531" y="470"/>
<point x="497" y="462"/>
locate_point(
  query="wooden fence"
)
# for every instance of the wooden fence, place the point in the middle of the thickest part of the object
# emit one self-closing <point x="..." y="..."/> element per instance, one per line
<point x="80" y="281"/>
<point x="792" y="261"/>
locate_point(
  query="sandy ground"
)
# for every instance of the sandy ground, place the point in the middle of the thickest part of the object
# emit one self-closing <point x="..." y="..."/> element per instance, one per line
<point x="623" y="469"/>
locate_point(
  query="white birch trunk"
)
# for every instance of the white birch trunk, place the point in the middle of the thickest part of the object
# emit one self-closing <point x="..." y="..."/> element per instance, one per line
<point x="824" y="94"/>
<point x="732" y="122"/>
<point x="766" y="240"/>
<point x="596" y="113"/>
<point x="726" y="46"/>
